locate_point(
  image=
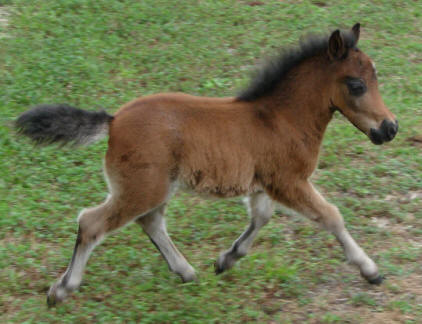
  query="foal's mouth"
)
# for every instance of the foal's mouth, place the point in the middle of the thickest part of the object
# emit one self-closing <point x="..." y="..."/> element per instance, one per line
<point x="385" y="133"/>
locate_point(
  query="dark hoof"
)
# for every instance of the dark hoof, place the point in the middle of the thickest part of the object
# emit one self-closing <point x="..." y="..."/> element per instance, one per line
<point x="56" y="294"/>
<point x="51" y="301"/>
<point x="218" y="269"/>
<point x="376" y="281"/>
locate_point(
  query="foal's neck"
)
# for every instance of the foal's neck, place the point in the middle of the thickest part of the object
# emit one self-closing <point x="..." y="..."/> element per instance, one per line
<point x="303" y="99"/>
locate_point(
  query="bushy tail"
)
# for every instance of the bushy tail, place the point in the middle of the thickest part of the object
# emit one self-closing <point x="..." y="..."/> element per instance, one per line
<point x="47" y="124"/>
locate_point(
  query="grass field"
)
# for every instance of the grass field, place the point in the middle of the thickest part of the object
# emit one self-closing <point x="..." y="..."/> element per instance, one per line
<point x="95" y="54"/>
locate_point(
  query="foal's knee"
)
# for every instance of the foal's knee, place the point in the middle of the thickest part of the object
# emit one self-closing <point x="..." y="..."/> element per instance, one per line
<point x="331" y="219"/>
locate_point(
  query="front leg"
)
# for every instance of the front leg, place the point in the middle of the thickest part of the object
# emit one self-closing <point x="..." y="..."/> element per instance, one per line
<point x="305" y="199"/>
<point x="260" y="207"/>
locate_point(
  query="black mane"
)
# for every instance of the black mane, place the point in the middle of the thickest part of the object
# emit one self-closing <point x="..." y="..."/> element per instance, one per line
<point x="275" y="70"/>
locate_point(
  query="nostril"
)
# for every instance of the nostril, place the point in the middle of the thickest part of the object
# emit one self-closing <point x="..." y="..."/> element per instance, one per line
<point x="388" y="128"/>
<point x="392" y="130"/>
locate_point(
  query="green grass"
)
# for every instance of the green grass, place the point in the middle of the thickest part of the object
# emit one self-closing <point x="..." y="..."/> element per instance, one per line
<point x="104" y="53"/>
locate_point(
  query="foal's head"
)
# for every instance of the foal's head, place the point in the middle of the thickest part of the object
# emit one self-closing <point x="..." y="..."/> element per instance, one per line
<point x="355" y="88"/>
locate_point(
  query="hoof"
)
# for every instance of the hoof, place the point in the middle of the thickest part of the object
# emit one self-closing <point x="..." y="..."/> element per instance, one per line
<point x="51" y="301"/>
<point x="56" y="294"/>
<point x="189" y="276"/>
<point x="225" y="262"/>
<point x="375" y="280"/>
<point x="218" y="269"/>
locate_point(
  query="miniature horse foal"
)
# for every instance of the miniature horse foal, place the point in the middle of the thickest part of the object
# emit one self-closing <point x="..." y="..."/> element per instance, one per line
<point x="263" y="144"/>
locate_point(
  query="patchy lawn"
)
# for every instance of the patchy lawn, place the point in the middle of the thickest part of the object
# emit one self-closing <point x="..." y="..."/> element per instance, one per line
<point x="101" y="53"/>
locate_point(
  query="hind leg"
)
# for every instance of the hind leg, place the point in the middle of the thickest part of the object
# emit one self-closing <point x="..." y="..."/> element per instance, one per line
<point x="154" y="226"/>
<point x="127" y="201"/>
<point x="92" y="228"/>
<point x="260" y="208"/>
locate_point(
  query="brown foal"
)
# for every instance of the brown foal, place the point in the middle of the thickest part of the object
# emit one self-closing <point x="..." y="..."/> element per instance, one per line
<point x="263" y="144"/>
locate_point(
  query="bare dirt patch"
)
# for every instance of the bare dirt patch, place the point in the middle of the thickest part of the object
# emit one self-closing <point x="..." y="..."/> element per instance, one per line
<point x="345" y="301"/>
<point x="415" y="140"/>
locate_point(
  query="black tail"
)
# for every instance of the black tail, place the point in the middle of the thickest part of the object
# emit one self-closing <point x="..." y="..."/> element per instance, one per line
<point x="47" y="124"/>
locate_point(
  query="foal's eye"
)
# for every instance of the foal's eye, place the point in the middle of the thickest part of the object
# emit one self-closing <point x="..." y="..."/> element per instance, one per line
<point x="356" y="86"/>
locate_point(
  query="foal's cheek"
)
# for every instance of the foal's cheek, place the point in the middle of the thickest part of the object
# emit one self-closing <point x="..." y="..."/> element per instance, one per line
<point x="361" y="110"/>
<point x="352" y="108"/>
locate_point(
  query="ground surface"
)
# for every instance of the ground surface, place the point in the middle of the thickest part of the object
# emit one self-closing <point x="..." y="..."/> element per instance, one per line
<point x="102" y="53"/>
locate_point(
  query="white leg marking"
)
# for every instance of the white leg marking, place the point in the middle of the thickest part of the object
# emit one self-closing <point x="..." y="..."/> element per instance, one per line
<point x="356" y="255"/>
<point x="72" y="278"/>
<point x="79" y="263"/>
<point x="155" y="226"/>
<point x="328" y="215"/>
<point x="260" y="208"/>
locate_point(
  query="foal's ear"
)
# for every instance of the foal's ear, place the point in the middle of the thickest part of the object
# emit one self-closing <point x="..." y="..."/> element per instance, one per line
<point x="336" y="47"/>
<point x="356" y="32"/>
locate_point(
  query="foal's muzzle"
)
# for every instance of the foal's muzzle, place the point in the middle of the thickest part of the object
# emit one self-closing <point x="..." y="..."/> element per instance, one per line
<point x="385" y="133"/>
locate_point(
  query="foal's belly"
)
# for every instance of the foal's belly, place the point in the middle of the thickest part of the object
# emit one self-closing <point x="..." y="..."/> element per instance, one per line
<point x="212" y="185"/>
